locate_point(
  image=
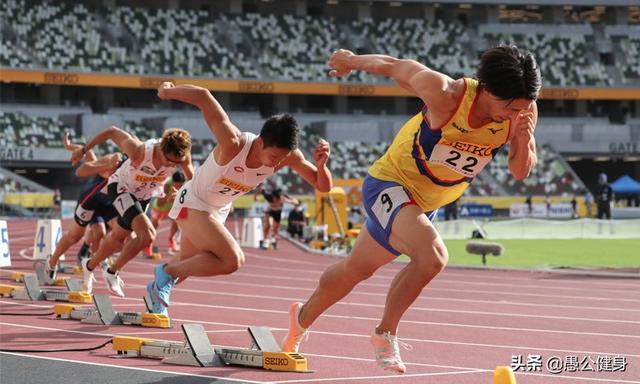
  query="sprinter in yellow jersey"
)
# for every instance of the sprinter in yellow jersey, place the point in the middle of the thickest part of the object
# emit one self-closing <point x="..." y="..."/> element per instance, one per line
<point x="430" y="163"/>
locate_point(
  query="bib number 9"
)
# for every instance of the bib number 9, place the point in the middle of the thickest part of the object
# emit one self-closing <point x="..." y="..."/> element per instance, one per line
<point x="387" y="202"/>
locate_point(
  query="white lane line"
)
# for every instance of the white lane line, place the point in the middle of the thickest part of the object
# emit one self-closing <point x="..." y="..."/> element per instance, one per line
<point x="385" y="378"/>
<point x="443" y="278"/>
<point x="447" y="272"/>
<point x="429" y="288"/>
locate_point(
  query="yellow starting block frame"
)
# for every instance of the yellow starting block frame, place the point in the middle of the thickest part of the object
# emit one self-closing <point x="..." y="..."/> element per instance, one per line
<point x="102" y="313"/>
<point x="39" y="268"/>
<point x="31" y="291"/>
<point x="197" y="351"/>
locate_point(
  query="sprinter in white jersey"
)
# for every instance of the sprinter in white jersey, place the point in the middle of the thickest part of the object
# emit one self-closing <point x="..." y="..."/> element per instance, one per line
<point x="238" y="163"/>
<point x="130" y="188"/>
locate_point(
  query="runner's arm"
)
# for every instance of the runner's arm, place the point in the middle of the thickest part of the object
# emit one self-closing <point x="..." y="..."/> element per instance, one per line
<point x="69" y="146"/>
<point x="103" y="164"/>
<point x="187" y="167"/>
<point x="522" y="150"/>
<point x="318" y="175"/>
<point x="227" y="134"/>
<point x="411" y="75"/>
<point x="129" y="144"/>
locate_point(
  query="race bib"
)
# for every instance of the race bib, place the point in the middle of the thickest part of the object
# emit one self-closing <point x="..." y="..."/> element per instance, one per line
<point x="228" y="187"/>
<point x="387" y="202"/>
<point x="465" y="163"/>
<point x="83" y="214"/>
<point x="123" y="202"/>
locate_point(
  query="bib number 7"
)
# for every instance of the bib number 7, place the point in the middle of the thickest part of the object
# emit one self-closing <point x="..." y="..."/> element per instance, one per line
<point x="123" y="202"/>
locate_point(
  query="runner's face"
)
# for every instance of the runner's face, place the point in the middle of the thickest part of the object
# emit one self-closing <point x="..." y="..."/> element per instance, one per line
<point x="504" y="110"/>
<point x="272" y="156"/>
<point x="170" y="160"/>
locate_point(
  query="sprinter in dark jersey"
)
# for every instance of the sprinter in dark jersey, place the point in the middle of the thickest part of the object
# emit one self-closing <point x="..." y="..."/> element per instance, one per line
<point x="93" y="207"/>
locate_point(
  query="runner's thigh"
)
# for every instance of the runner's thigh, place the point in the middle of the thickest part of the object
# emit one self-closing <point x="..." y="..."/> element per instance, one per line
<point x="207" y="234"/>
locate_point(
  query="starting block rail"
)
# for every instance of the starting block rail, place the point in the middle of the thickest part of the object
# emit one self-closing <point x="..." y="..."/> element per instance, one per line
<point x="196" y="350"/>
<point x="39" y="268"/>
<point x="31" y="291"/>
<point x="102" y="313"/>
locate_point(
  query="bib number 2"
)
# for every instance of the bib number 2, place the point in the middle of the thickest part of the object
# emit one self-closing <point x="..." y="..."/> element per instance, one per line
<point x="463" y="162"/>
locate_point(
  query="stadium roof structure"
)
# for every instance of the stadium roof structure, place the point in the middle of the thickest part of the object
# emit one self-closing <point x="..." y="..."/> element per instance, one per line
<point x="610" y="3"/>
<point x="625" y="184"/>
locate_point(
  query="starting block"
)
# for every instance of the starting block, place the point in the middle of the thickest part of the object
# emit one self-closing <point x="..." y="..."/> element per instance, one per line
<point x="102" y="313"/>
<point x="197" y="351"/>
<point x="39" y="268"/>
<point x="31" y="291"/>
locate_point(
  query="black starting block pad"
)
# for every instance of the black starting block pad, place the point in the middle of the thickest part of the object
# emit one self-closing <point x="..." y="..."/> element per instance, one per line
<point x="31" y="291"/>
<point x="197" y="350"/>
<point x="102" y="313"/>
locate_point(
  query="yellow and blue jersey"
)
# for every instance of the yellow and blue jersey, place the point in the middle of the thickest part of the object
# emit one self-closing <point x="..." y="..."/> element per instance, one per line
<point x="436" y="164"/>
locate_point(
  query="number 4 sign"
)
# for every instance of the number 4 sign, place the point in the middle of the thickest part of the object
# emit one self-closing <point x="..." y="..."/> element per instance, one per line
<point x="48" y="234"/>
<point x="5" y="256"/>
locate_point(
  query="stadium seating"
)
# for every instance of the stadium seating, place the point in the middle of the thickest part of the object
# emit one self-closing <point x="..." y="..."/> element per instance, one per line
<point x="9" y="185"/>
<point x="551" y="175"/>
<point x="22" y="130"/>
<point x="287" y="47"/>
<point x="414" y="39"/>
<point x="569" y="58"/>
<point x="189" y="42"/>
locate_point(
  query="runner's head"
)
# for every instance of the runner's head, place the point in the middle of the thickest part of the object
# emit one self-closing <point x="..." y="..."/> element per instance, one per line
<point x="510" y="79"/>
<point x="178" y="179"/>
<point x="175" y="145"/>
<point x="278" y="137"/>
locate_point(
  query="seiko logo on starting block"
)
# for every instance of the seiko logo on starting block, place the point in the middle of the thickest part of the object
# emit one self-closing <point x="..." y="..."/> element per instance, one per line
<point x="275" y="361"/>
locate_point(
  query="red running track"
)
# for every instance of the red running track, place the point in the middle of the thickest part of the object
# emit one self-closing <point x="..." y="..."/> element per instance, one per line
<point x="465" y="323"/>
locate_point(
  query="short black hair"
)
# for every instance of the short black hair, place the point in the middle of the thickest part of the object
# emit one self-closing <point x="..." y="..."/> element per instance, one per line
<point x="178" y="177"/>
<point x="280" y="131"/>
<point x="509" y="73"/>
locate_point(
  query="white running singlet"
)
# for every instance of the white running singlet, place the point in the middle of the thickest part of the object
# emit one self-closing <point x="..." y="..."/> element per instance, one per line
<point x="214" y="187"/>
<point x="143" y="181"/>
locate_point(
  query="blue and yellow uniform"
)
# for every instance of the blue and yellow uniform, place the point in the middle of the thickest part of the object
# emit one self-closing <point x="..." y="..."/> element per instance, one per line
<point x="429" y="166"/>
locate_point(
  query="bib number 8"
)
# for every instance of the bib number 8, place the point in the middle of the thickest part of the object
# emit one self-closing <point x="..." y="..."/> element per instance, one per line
<point x="182" y="195"/>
